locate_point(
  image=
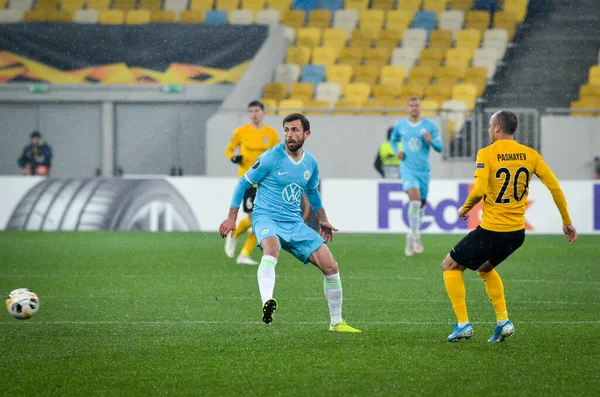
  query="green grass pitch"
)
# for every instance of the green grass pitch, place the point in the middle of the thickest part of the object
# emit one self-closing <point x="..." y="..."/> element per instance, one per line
<point x="167" y="314"/>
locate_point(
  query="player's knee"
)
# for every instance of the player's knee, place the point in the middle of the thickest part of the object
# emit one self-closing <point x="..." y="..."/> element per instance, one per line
<point x="486" y="267"/>
<point x="330" y="267"/>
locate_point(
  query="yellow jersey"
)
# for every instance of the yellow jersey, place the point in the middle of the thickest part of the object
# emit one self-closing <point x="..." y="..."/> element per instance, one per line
<point x="504" y="170"/>
<point x="252" y="143"/>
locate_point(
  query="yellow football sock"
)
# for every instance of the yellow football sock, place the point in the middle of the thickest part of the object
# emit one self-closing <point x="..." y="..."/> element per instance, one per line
<point x="455" y="286"/>
<point x="251" y="242"/>
<point x="495" y="291"/>
<point x="242" y="227"/>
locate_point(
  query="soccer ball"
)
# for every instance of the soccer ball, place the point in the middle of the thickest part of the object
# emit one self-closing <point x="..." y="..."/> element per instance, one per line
<point x="22" y="303"/>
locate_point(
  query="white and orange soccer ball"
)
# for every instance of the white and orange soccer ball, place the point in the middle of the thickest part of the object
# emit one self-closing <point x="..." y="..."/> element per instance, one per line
<point x="22" y="303"/>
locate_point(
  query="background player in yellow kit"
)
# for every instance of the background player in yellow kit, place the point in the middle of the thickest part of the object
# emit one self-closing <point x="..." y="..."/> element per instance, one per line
<point x="504" y="170"/>
<point x="252" y="140"/>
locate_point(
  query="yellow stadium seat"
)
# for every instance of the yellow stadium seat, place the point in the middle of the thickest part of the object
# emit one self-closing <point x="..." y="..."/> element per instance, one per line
<point x="399" y="19"/>
<point x="440" y="39"/>
<point x="379" y="55"/>
<point x="111" y="17"/>
<point x="506" y="20"/>
<point x="201" y="5"/>
<point x="299" y="55"/>
<point x="438" y="91"/>
<point x="430" y="107"/>
<point x="99" y="5"/>
<point x="360" y="42"/>
<point x="253" y="5"/>
<point x="388" y="90"/>
<point x="137" y="17"/>
<point x="357" y="91"/>
<point x="436" y="55"/>
<point x="351" y="56"/>
<point x="46" y="5"/>
<point x="276" y="91"/>
<point x="303" y="91"/>
<point x="392" y="74"/>
<point x="464" y="90"/>
<point x="309" y="37"/>
<point x="3" y="4"/>
<point x="162" y="16"/>
<point x="72" y="5"/>
<point x="461" y="5"/>
<point x="476" y="72"/>
<point x="592" y="104"/>
<point x="479" y="20"/>
<point x="391" y="33"/>
<point x="470" y="101"/>
<point x="371" y="16"/>
<point x="369" y="29"/>
<point x="62" y="16"/>
<point x="348" y="107"/>
<point x="437" y="6"/>
<point x="319" y="19"/>
<point x="335" y="37"/>
<point x="479" y="82"/>
<point x="589" y="91"/>
<point x="414" y="90"/>
<point x="399" y="107"/>
<point x="280" y="5"/>
<point x="287" y="106"/>
<point x="356" y="4"/>
<point x="410" y="5"/>
<point x="227" y="5"/>
<point x="151" y="5"/>
<point x="324" y="55"/>
<point x="319" y="107"/>
<point x="420" y="73"/>
<point x="270" y="106"/>
<point x="468" y="38"/>
<point x="124" y="4"/>
<point x="340" y="74"/>
<point x="594" y="75"/>
<point x="293" y="18"/>
<point x="459" y="54"/>
<point x="189" y="16"/>
<point x="367" y="74"/>
<point x="518" y="7"/>
<point x="383" y="4"/>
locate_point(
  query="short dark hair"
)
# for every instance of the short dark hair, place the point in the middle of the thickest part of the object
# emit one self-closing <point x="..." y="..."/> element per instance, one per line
<point x="35" y="134"/>
<point x="507" y="121"/>
<point x="297" y="116"/>
<point x="412" y="98"/>
<point x="256" y="104"/>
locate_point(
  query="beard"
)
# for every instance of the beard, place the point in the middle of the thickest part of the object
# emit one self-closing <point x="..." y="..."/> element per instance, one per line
<point x="296" y="145"/>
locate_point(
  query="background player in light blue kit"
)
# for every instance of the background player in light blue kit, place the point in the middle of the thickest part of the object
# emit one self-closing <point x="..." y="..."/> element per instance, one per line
<point x="417" y="135"/>
<point x="283" y="173"/>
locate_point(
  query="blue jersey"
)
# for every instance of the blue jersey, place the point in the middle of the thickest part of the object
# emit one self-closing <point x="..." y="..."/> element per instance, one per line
<point x="415" y="147"/>
<point x="281" y="183"/>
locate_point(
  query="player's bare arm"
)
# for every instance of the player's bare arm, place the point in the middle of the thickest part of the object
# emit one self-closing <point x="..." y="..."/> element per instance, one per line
<point x="228" y="224"/>
<point x="327" y="228"/>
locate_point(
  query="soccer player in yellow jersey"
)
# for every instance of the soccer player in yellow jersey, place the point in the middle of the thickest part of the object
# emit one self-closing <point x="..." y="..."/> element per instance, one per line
<point x="504" y="170"/>
<point x="252" y="140"/>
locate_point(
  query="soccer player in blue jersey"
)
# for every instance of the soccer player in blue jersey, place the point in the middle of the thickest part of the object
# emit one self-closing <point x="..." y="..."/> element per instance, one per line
<point x="283" y="173"/>
<point x="417" y="135"/>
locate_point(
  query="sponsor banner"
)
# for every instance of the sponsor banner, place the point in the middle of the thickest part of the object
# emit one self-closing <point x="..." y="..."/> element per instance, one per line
<point x="201" y="204"/>
<point x="127" y="54"/>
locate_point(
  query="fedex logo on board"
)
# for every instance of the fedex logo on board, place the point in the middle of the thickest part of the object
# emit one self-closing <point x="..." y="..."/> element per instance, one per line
<point x="442" y="213"/>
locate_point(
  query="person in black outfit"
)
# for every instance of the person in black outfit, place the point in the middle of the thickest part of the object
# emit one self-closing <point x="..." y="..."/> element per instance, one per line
<point x="37" y="156"/>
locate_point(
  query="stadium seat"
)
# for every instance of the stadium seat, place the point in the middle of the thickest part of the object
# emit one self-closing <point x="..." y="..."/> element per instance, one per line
<point x="378" y="55"/>
<point x="358" y="41"/>
<point x="324" y="55"/>
<point x="479" y="82"/>
<point x="387" y="91"/>
<point x="488" y="54"/>
<point x="476" y="72"/>
<point x="366" y="74"/>
<point x="488" y="64"/>
<point x="329" y="92"/>
<point x="306" y="5"/>
<point x="440" y="38"/>
<point x="287" y="106"/>
<point x="447" y="75"/>
<point x="290" y="35"/>
<point x="299" y="55"/>
<point x="189" y="16"/>
<point x="414" y="38"/>
<point x="201" y="5"/>
<point x="241" y="17"/>
<point x="432" y="55"/>
<point x="430" y="107"/>
<point x="517" y="7"/>
<point x="454" y="114"/>
<point x="331" y="5"/>
<point x="309" y="37"/>
<point x="340" y="74"/>
<point x="392" y="74"/>
<point x="506" y="20"/>
<point x="437" y="6"/>
<point x="464" y="90"/>
<point x="346" y="19"/>
<point x="319" y="19"/>
<point x="468" y="38"/>
<point x="21" y="5"/>
<point x="357" y="91"/>
<point x="150" y="5"/>
<point x="137" y="17"/>
<point x="414" y="90"/>
<point x="12" y="15"/>
<point x="61" y="16"/>
<point x="72" y="5"/>
<point x="594" y="75"/>
<point x="293" y="18"/>
<point x="270" y="106"/>
<point x="314" y="74"/>
<point x="451" y="20"/>
<point x="176" y="5"/>
<point x="405" y="57"/>
<point x="111" y="17"/>
<point x="267" y="17"/>
<point x="162" y="16"/>
<point x="358" y="5"/>
<point x="399" y="19"/>
<point x="46" y="5"/>
<point x="227" y="5"/>
<point x="276" y="91"/>
<point x="287" y="73"/>
<point x="462" y="5"/>
<point x="584" y="104"/>
<point x="425" y="19"/>
<point x="371" y="16"/>
<point x="99" y="5"/>
<point x="302" y="91"/>
<point x="335" y="37"/>
<point x="386" y="5"/>
<point x="318" y="107"/>
<point x="374" y="107"/>
<point x="253" y="5"/>
<point x="279" y="5"/>
<point x="389" y="38"/>
<point x="495" y="35"/>
<point x="124" y="4"/>
<point x="589" y="91"/>
<point x="410" y="5"/>
<point x="421" y="73"/>
<point x="347" y="107"/>
<point x="438" y="91"/>
<point x="479" y="20"/>
<point x="459" y="54"/>
<point x="351" y="55"/>
<point x="215" y="17"/>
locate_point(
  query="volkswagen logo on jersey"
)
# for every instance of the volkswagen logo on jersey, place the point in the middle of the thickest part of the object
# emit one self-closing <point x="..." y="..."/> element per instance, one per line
<point x="415" y="144"/>
<point x="292" y="193"/>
